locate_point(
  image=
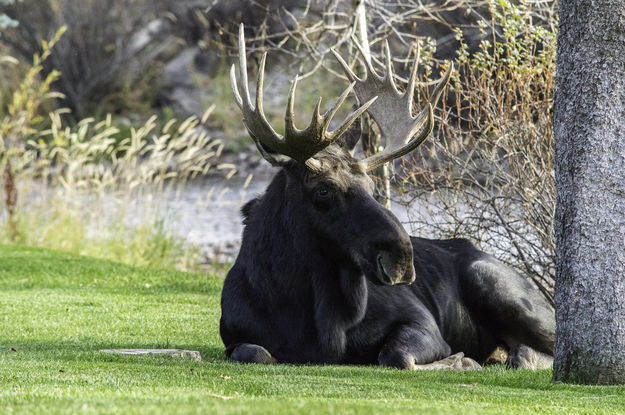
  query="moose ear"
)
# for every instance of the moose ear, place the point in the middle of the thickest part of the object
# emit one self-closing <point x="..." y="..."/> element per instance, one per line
<point x="248" y="209"/>
<point x="351" y="137"/>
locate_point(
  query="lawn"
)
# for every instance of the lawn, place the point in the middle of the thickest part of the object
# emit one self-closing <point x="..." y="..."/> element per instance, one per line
<point x="58" y="310"/>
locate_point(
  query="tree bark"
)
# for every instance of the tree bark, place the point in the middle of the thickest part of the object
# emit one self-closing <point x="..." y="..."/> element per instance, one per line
<point x="589" y="131"/>
<point x="10" y="193"/>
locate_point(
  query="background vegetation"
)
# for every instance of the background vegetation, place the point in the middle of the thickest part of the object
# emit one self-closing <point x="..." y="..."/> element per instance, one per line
<point x="90" y="123"/>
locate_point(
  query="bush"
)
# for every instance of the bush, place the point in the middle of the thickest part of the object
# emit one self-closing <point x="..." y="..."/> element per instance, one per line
<point x="21" y="116"/>
<point x="487" y="172"/>
<point x="110" y="56"/>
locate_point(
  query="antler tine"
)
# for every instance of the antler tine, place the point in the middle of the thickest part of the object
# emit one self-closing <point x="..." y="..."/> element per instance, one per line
<point x="348" y="71"/>
<point x="353" y="116"/>
<point x="296" y="144"/>
<point x="289" y="117"/>
<point x="389" y="67"/>
<point x="243" y="68"/>
<point x="367" y="59"/>
<point x="412" y="81"/>
<point x="234" y="88"/>
<point x="259" y="85"/>
<point x="254" y="118"/>
<point x="392" y="112"/>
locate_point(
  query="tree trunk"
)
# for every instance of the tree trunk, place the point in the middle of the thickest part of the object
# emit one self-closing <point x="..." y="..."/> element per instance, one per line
<point x="10" y="193"/>
<point x="589" y="130"/>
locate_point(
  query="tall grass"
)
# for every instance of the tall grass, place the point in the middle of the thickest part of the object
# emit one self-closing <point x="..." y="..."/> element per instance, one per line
<point x="85" y="189"/>
<point x="87" y="192"/>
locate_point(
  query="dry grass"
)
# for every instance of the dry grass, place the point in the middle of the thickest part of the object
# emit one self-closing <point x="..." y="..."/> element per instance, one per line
<point x="71" y="186"/>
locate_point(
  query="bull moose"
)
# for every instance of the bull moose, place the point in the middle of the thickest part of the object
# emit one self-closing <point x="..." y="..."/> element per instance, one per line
<point x="327" y="275"/>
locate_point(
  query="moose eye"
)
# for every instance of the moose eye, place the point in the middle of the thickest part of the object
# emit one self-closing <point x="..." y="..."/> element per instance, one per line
<point x="322" y="192"/>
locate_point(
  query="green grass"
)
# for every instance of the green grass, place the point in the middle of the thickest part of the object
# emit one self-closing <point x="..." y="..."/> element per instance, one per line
<point x="57" y="310"/>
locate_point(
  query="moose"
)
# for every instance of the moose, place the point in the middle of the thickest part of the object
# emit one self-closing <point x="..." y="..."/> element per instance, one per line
<point x="327" y="275"/>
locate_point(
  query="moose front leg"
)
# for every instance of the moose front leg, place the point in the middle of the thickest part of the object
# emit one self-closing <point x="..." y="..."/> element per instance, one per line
<point x="413" y="344"/>
<point x="249" y="353"/>
<point x="415" y="347"/>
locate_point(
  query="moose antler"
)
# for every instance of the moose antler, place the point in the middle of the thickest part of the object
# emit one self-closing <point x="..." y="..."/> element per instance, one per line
<point x="300" y="145"/>
<point x="392" y="112"/>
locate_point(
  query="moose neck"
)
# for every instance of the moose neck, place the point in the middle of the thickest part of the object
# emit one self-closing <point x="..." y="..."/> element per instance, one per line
<point x="287" y="257"/>
<point x="275" y="238"/>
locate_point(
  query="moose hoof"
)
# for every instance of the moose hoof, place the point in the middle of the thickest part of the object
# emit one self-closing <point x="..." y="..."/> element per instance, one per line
<point x="251" y="353"/>
<point x="524" y="357"/>
<point x="469" y="364"/>
<point x="397" y="360"/>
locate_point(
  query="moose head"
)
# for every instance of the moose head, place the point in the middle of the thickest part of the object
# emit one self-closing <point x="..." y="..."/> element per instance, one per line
<point x="325" y="193"/>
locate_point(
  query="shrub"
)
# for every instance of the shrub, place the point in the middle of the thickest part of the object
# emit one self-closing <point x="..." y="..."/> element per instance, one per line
<point x="110" y="56"/>
<point x="22" y="114"/>
<point x="487" y="172"/>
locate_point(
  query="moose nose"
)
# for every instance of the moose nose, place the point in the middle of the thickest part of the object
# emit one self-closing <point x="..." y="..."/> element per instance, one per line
<point x="393" y="271"/>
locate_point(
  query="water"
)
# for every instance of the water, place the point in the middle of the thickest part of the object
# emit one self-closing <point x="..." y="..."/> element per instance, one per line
<point x="208" y="213"/>
<point x="215" y="221"/>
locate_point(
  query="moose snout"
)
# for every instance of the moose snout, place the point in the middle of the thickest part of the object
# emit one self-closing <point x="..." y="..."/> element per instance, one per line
<point x="394" y="269"/>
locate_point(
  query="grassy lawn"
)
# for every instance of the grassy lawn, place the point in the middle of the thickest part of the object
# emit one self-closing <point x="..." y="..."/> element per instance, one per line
<point x="57" y="310"/>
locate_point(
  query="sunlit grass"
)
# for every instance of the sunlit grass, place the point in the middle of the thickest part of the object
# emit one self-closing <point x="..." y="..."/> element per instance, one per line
<point x="59" y="310"/>
<point x="72" y="228"/>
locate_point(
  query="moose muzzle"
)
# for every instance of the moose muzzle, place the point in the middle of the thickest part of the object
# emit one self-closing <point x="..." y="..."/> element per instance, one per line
<point x="394" y="268"/>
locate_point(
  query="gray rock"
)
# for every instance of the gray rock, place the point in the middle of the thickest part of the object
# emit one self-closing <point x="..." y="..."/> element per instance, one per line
<point x="454" y="362"/>
<point x="178" y="71"/>
<point x="187" y="354"/>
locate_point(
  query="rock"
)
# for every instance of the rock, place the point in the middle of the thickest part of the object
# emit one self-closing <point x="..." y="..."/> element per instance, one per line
<point x="177" y="72"/>
<point x="187" y="354"/>
<point x="454" y="362"/>
<point x="149" y="33"/>
<point x="180" y="90"/>
<point x="223" y="252"/>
